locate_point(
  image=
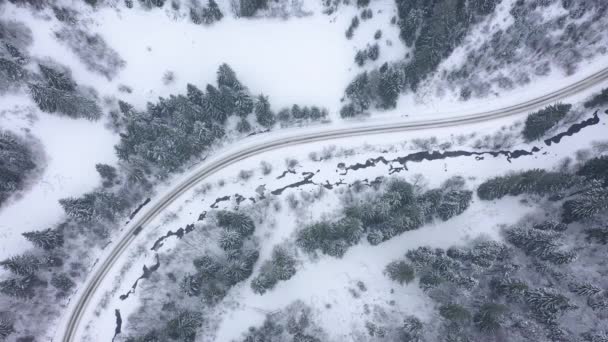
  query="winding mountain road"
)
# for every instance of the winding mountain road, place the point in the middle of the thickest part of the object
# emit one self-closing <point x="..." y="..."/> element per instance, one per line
<point x="260" y="144"/>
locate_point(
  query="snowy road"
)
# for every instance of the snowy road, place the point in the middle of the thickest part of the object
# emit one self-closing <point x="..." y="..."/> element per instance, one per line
<point x="69" y="326"/>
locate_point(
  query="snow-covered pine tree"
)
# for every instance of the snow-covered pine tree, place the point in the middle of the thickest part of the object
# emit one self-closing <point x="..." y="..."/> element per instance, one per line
<point x="21" y="288"/>
<point x="263" y="113"/>
<point x="588" y="204"/>
<point x="184" y="326"/>
<point x="230" y="239"/>
<point x="400" y="271"/>
<point x="238" y="222"/>
<point x="57" y="79"/>
<point x="194" y="94"/>
<point x="62" y="282"/>
<point x="23" y="265"/>
<point x="389" y="87"/>
<point x="227" y="77"/>
<point x="45" y="239"/>
<point x="6" y="326"/>
<point x="53" y="100"/>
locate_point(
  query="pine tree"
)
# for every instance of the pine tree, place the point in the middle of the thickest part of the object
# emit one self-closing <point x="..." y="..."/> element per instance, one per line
<point x="45" y="239"/>
<point x="243" y="126"/>
<point x="400" y="271"/>
<point x="23" y="265"/>
<point x="596" y="168"/>
<point x="238" y="222"/>
<point x="53" y="100"/>
<point x="16" y="161"/>
<point x="230" y="240"/>
<point x="17" y="56"/>
<point x="22" y="288"/>
<point x="538" y="123"/>
<point x="263" y="113"/>
<point x="547" y="303"/>
<point x="215" y="105"/>
<point x="454" y="203"/>
<point x="598" y="100"/>
<point x="191" y="285"/>
<point x="62" y="282"/>
<point x="185" y="325"/>
<point x="359" y="92"/>
<point x="584" y="289"/>
<point x="195" y="95"/>
<point x="411" y="330"/>
<point x="57" y="79"/>
<point x="107" y="173"/>
<point x="6" y="326"/>
<point x="243" y="104"/>
<point x="10" y="73"/>
<point x="588" y="204"/>
<point x="207" y="265"/>
<point x="211" y="13"/>
<point x="227" y="77"/>
<point x="389" y="87"/>
<point x="490" y="318"/>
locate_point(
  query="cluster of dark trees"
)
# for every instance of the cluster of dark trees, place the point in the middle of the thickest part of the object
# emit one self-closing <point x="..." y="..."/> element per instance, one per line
<point x="17" y="161"/>
<point x="296" y="113"/>
<point x="433" y="29"/>
<point x="217" y="268"/>
<point x="380" y="88"/>
<point x="14" y="40"/>
<point x="396" y="210"/>
<point x="587" y="189"/>
<point x="181" y="327"/>
<point x="537" y="181"/>
<point x="172" y="131"/>
<point x="57" y="92"/>
<point x="371" y="52"/>
<point x="280" y="267"/>
<point x="217" y="273"/>
<point x="294" y="323"/>
<point x="48" y="273"/>
<point x="597" y="100"/>
<point x="206" y="15"/>
<point x="538" y="123"/>
<point x="531" y="45"/>
<point x="53" y="88"/>
<point x="492" y="291"/>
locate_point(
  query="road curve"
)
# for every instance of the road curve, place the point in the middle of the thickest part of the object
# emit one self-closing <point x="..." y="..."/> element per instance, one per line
<point x="255" y="145"/>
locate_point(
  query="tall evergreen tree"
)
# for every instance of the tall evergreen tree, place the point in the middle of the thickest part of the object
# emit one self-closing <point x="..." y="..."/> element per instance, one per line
<point x="22" y="288"/>
<point x="211" y="13"/>
<point x="23" y="265"/>
<point x="227" y="77"/>
<point x="57" y="79"/>
<point x="263" y="113"/>
<point x="6" y="326"/>
<point x="184" y="326"/>
<point x="45" y="239"/>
